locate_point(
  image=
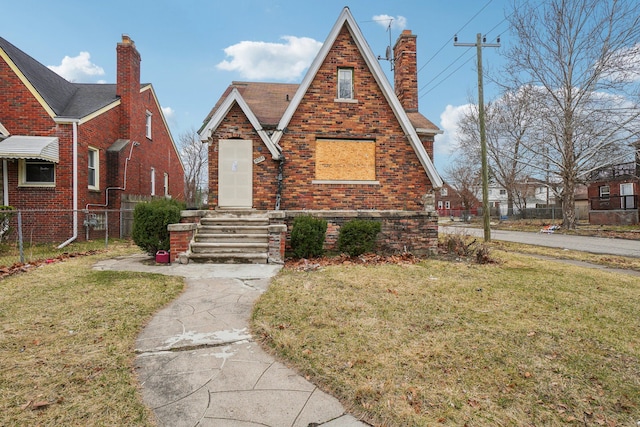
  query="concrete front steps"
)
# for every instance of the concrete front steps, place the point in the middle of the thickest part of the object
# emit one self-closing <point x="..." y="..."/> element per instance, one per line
<point x="230" y="236"/>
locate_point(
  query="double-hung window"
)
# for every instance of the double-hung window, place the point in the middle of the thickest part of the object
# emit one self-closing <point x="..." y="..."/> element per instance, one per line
<point x="148" y="125"/>
<point x="345" y="83"/>
<point x="93" y="163"/>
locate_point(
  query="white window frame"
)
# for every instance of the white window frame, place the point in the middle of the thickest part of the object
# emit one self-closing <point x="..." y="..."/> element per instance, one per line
<point x="604" y="192"/>
<point x="345" y="89"/>
<point x="22" y="174"/>
<point x="440" y="204"/>
<point x="95" y="168"/>
<point x="148" y="124"/>
<point x="153" y="181"/>
<point x="444" y="192"/>
<point x="447" y="204"/>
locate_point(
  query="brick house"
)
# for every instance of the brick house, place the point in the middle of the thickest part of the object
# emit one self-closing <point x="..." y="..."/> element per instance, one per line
<point x="613" y="193"/>
<point x="453" y="203"/>
<point x="72" y="148"/>
<point x="340" y="144"/>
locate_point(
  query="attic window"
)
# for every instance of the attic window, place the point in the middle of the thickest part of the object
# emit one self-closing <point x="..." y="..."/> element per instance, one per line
<point x="345" y="83"/>
<point x="148" y="125"/>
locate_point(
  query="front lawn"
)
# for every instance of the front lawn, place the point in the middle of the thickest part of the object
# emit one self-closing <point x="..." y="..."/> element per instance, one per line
<point x="522" y="342"/>
<point x="67" y="339"/>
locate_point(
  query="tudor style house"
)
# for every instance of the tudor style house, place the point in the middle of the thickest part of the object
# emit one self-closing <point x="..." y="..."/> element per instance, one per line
<point x="70" y="148"/>
<point x="341" y="144"/>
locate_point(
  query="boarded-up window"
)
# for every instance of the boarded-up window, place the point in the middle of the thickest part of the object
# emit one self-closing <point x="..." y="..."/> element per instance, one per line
<point x="345" y="160"/>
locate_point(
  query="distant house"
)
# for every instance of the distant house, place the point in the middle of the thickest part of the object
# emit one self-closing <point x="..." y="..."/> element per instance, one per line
<point x="69" y="148"/>
<point x="613" y="193"/>
<point x="529" y="194"/>
<point x="452" y="203"/>
<point x="341" y="144"/>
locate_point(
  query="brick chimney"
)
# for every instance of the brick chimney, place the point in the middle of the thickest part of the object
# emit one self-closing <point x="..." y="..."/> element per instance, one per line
<point x="128" y="82"/>
<point x="405" y="77"/>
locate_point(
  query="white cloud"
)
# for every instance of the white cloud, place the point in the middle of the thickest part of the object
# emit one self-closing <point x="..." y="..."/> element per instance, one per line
<point x="169" y="113"/>
<point x="447" y="142"/>
<point x="397" y="22"/>
<point x="78" y="69"/>
<point x="263" y="60"/>
<point x="625" y="64"/>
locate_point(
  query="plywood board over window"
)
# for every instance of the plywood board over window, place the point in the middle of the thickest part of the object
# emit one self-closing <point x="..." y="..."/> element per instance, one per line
<point x="345" y="160"/>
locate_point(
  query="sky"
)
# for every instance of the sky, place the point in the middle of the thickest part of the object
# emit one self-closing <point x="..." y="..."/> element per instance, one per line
<point x="193" y="49"/>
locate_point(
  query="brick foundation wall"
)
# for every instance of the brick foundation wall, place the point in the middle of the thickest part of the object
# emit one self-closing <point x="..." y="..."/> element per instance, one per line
<point x="410" y="231"/>
<point x="614" y="217"/>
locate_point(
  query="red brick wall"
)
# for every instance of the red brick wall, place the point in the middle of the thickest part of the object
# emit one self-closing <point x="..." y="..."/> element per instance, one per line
<point x="402" y="179"/>
<point x="236" y="126"/>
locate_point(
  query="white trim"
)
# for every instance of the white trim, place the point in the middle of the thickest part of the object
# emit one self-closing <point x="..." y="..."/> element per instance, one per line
<point x="3" y="131"/>
<point x="96" y="168"/>
<point x="221" y="112"/>
<point x="148" y="124"/>
<point x="346" y="18"/>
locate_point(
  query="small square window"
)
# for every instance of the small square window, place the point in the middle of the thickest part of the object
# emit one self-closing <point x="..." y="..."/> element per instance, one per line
<point x="444" y="192"/>
<point x="604" y="192"/>
<point x="345" y="83"/>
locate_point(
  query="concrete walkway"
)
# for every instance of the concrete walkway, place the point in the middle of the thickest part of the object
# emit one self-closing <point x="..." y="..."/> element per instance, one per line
<point x="199" y="365"/>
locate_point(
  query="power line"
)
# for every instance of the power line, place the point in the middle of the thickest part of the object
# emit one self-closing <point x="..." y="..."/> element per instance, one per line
<point x="460" y="30"/>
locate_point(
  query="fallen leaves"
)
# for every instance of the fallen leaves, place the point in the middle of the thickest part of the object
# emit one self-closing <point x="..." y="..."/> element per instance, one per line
<point x="24" y="267"/>
<point x="303" y="264"/>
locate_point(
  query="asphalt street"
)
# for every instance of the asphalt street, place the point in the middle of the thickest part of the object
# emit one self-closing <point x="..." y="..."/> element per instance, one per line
<point x="596" y="245"/>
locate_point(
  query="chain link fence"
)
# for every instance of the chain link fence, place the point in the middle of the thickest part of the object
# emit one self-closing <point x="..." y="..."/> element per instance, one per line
<point x="34" y="226"/>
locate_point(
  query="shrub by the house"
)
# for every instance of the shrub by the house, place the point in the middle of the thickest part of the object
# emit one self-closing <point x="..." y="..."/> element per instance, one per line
<point x="307" y="236"/>
<point x="150" y="221"/>
<point x="358" y="237"/>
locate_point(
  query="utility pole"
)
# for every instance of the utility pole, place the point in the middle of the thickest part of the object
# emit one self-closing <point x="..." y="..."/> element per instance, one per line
<point x="479" y="44"/>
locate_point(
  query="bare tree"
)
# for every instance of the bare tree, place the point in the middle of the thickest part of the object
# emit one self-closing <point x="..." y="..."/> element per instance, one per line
<point x="580" y="60"/>
<point x="508" y="125"/>
<point x="194" y="156"/>
<point x="465" y="179"/>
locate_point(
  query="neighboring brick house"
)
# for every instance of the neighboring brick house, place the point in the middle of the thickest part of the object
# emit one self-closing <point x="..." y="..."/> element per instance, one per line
<point x="453" y="203"/>
<point x="70" y="147"/>
<point x="613" y="194"/>
<point x="341" y="140"/>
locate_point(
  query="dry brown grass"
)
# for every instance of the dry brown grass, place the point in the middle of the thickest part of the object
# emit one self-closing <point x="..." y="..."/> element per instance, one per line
<point x="67" y="339"/>
<point x="521" y="342"/>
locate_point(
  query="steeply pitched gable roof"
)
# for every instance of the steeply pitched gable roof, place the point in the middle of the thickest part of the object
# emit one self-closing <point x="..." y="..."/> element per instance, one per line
<point x="61" y="97"/>
<point x="223" y="109"/>
<point x="346" y="19"/>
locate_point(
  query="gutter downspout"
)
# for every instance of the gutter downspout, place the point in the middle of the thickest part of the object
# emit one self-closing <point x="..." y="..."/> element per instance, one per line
<point x="5" y="183"/>
<point x="75" y="186"/>
<point x="280" y="181"/>
<point x="123" y="188"/>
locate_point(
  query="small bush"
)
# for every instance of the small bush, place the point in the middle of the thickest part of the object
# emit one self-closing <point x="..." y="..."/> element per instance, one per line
<point x="358" y="237"/>
<point x="150" y="221"/>
<point x="307" y="236"/>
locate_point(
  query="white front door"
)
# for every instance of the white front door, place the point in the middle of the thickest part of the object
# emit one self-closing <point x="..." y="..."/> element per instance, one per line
<point x="235" y="173"/>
